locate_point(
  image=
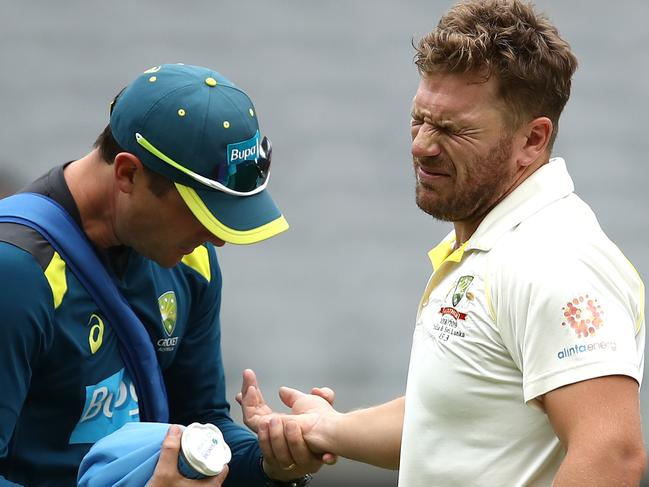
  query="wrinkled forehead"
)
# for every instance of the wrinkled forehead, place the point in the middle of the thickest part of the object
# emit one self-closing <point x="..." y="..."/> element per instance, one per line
<point x="464" y="95"/>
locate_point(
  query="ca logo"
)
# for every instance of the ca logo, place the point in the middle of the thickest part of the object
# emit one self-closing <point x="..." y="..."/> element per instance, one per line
<point x="460" y="289"/>
<point x="168" y="311"/>
<point x="96" y="335"/>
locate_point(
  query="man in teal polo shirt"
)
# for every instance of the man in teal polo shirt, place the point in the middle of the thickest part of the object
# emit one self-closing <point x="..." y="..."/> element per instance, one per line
<point x="181" y="169"/>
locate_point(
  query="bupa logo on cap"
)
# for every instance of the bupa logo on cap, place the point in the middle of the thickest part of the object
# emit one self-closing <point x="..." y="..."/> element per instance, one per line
<point x="247" y="150"/>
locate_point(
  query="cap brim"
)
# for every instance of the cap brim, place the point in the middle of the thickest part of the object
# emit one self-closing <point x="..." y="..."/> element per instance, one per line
<point x="235" y="219"/>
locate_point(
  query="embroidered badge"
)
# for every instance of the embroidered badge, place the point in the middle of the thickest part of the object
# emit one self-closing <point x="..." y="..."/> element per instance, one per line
<point x="461" y="288"/>
<point x="168" y="311"/>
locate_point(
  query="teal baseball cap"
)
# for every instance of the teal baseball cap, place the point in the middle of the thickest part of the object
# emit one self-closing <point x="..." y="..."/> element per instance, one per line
<point x="195" y="127"/>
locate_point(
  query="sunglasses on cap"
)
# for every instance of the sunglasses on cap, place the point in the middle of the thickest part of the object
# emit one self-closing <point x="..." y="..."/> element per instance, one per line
<point x="245" y="178"/>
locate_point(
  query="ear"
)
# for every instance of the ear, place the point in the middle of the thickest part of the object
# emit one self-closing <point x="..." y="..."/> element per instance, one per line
<point x="535" y="138"/>
<point x="127" y="167"/>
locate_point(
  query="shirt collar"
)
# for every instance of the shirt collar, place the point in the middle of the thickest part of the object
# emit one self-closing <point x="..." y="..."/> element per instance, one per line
<point x="444" y="251"/>
<point x="549" y="183"/>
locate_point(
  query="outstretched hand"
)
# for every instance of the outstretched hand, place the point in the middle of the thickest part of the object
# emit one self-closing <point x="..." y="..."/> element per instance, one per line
<point x="282" y="437"/>
<point x="255" y="409"/>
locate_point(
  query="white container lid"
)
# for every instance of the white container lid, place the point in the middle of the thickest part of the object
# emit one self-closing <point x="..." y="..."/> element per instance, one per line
<point x="205" y="449"/>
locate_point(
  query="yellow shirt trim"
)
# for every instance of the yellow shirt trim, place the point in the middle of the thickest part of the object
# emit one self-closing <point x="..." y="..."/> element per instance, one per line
<point x="440" y="255"/>
<point x="641" y="298"/>
<point x="444" y="253"/>
<point x="640" y="320"/>
<point x="199" y="260"/>
<point x="487" y="293"/>
<point x="55" y="275"/>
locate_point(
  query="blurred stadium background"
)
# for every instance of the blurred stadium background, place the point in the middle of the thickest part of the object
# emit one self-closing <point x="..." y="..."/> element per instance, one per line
<point x="331" y="302"/>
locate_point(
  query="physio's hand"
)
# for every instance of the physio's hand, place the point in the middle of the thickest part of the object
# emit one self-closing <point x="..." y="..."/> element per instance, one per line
<point x="253" y="406"/>
<point x="286" y="454"/>
<point x="166" y="471"/>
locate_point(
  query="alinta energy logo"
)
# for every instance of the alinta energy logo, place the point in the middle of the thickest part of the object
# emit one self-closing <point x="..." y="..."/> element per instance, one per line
<point x="584" y="316"/>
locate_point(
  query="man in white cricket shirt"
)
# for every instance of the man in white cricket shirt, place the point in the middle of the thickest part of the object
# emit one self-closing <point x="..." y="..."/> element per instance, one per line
<point x="528" y="345"/>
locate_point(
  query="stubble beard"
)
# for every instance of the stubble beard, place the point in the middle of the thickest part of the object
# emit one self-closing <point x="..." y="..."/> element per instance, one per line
<point x="487" y="182"/>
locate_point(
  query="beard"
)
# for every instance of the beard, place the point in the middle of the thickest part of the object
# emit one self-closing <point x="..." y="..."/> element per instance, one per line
<point x="487" y="179"/>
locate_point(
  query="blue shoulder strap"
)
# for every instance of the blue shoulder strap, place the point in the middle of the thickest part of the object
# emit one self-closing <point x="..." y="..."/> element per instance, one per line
<point x="55" y="224"/>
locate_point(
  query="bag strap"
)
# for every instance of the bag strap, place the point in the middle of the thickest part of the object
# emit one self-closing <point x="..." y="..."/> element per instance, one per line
<point x="55" y="224"/>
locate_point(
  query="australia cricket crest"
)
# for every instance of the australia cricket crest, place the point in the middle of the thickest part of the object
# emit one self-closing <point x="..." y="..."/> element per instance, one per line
<point x="461" y="288"/>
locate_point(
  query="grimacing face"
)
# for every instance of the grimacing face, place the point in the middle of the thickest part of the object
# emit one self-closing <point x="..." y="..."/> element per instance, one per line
<point x="461" y="147"/>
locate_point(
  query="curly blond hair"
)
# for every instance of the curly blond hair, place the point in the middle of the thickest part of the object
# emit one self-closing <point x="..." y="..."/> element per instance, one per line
<point x="509" y="40"/>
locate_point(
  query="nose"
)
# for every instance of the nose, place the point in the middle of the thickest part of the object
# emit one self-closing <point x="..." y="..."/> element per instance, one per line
<point x="424" y="143"/>
<point x="206" y="236"/>
<point x="216" y="241"/>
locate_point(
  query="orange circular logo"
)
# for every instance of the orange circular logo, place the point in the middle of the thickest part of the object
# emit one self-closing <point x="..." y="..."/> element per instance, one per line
<point x="584" y="315"/>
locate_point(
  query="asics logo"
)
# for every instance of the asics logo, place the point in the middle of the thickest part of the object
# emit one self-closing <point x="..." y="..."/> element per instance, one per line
<point x="96" y="335"/>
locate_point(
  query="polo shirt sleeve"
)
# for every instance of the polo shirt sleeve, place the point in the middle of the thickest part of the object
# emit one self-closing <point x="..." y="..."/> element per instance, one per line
<point x="196" y="383"/>
<point x="572" y="314"/>
<point x="25" y="334"/>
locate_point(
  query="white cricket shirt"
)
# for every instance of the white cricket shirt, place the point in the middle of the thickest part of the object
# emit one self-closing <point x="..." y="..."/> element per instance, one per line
<point x="538" y="298"/>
